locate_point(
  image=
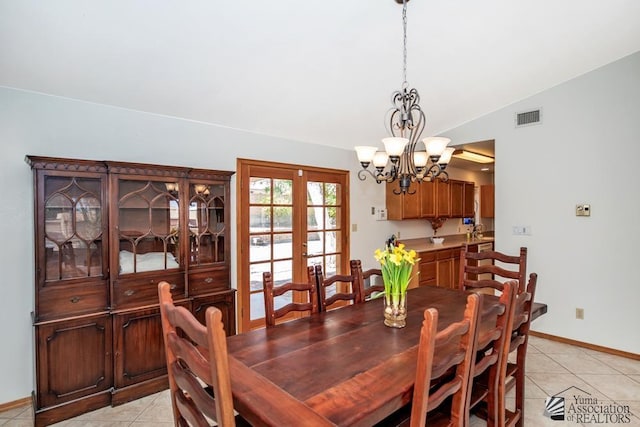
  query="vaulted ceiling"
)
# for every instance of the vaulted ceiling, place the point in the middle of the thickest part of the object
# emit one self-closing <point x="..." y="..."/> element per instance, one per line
<point x="313" y="71"/>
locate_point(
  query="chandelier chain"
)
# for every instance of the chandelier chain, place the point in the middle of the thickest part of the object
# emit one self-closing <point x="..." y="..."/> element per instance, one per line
<point x="404" y="43"/>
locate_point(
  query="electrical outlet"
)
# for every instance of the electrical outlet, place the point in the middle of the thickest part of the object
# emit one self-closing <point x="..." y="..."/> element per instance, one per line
<point x="580" y="313"/>
<point x="354" y="227"/>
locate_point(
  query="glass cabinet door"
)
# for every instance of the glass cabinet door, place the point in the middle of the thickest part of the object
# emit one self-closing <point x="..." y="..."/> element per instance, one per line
<point x="148" y="226"/>
<point x="73" y="228"/>
<point x="206" y="223"/>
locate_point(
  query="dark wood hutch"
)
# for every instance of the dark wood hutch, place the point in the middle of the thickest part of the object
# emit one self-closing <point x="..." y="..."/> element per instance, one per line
<point x="105" y="234"/>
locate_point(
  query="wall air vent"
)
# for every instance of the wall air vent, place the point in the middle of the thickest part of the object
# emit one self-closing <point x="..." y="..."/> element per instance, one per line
<point x="528" y="118"/>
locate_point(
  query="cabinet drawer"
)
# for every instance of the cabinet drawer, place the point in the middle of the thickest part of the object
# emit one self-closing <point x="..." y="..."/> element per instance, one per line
<point x="66" y="301"/>
<point x="132" y="293"/>
<point x="446" y="253"/>
<point x="206" y="282"/>
<point x="427" y="271"/>
<point x="427" y="256"/>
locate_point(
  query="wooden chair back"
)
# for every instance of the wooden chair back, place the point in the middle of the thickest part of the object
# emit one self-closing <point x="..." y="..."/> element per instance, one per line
<point x="488" y="370"/>
<point x="337" y="282"/>
<point x="469" y="269"/>
<point x="289" y="288"/>
<point x="431" y="366"/>
<point x="514" y="372"/>
<point x="196" y="354"/>
<point x="368" y="275"/>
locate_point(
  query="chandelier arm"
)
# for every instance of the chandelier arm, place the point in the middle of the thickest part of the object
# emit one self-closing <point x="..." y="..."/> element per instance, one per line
<point x="379" y="178"/>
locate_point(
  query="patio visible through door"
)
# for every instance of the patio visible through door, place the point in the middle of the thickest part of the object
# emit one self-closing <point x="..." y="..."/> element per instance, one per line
<point x="289" y="217"/>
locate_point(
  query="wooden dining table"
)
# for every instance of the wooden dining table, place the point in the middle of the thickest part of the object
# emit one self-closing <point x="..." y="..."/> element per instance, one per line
<point x="342" y="367"/>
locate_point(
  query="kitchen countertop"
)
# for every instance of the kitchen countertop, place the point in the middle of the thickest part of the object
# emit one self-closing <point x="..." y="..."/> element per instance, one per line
<point x="453" y="241"/>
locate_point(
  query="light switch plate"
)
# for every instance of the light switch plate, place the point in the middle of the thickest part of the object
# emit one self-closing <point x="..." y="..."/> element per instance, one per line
<point x="381" y="214"/>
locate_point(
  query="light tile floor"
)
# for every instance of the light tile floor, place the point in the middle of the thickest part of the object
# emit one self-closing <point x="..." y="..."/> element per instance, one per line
<point x="601" y="380"/>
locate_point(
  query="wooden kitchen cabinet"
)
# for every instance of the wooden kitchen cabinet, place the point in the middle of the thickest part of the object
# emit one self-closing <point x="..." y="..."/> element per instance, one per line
<point x="403" y="206"/>
<point x="457" y="198"/>
<point x="443" y="199"/>
<point x="469" y="205"/>
<point x="428" y="204"/>
<point x="462" y="199"/>
<point x="432" y="199"/>
<point x="487" y="201"/>
<point x="106" y="233"/>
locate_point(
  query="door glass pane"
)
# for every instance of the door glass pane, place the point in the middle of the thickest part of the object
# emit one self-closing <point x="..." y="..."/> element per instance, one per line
<point x="331" y="194"/>
<point x="332" y="242"/>
<point x="332" y="220"/>
<point x="315" y="243"/>
<point x="282" y="218"/>
<point x="315" y="193"/>
<point x="259" y="219"/>
<point x="260" y="191"/>
<point x="331" y="264"/>
<point x="282" y="192"/>
<point x="315" y="219"/>
<point x="73" y="226"/>
<point x="283" y="245"/>
<point x="256" y="295"/>
<point x="260" y="247"/>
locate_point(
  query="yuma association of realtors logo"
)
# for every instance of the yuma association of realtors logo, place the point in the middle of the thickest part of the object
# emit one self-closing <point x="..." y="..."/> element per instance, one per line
<point x="585" y="409"/>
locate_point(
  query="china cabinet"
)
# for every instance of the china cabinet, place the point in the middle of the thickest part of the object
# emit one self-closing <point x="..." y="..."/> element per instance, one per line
<point x="106" y="233"/>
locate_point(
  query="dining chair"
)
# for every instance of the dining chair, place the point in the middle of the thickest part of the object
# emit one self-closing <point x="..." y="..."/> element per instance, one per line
<point x="488" y="370"/>
<point x="196" y="358"/>
<point x="500" y="266"/>
<point x="367" y="277"/>
<point x="428" y="392"/>
<point x="332" y="289"/>
<point x="514" y="371"/>
<point x="271" y="292"/>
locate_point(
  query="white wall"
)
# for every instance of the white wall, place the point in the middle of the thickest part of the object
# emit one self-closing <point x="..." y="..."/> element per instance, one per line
<point x="587" y="150"/>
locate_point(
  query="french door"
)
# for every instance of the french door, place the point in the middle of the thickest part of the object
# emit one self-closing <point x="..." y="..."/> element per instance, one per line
<point x="289" y="217"/>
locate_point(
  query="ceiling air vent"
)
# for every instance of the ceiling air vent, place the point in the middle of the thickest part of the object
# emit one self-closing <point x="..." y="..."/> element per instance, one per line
<point x="528" y="118"/>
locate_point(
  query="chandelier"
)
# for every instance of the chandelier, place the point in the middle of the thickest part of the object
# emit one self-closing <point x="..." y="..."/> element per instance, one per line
<point x="402" y="159"/>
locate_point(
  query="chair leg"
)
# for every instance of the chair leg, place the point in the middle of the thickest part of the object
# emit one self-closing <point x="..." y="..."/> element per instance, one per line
<point x="520" y="379"/>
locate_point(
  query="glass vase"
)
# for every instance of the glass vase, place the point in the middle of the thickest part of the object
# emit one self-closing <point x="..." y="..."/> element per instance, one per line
<point x="395" y="310"/>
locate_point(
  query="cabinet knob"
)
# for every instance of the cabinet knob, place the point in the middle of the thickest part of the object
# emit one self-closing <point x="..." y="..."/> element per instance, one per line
<point x="129" y="292"/>
<point x="208" y="280"/>
<point x="74" y="300"/>
<point x="173" y="286"/>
